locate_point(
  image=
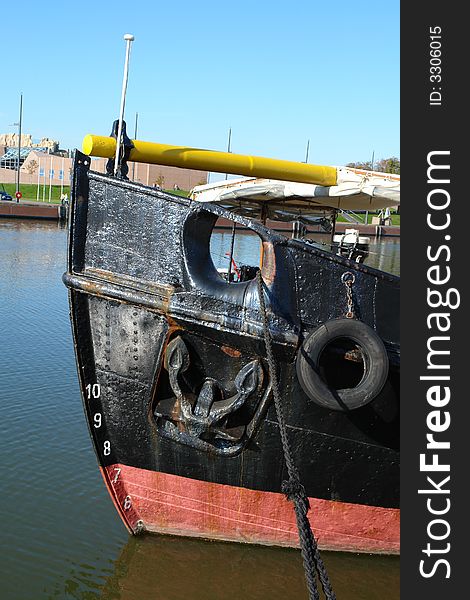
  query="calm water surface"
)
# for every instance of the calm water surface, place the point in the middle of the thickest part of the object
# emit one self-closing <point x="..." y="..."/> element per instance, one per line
<point x="61" y="537"/>
<point x="384" y="254"/>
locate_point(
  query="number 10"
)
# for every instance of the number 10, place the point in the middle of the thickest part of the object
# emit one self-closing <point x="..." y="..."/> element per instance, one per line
<point x="93" y="390"/>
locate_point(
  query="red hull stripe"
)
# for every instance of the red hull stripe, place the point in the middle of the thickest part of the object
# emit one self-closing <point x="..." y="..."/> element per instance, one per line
<point x="177" y="505"/>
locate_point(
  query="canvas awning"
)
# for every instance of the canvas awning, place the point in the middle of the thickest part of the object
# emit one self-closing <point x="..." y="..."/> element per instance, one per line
<point x="288" y="201"/>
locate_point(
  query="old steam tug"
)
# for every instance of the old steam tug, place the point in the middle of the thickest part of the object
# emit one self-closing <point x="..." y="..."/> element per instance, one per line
<point x="173" y="364"/>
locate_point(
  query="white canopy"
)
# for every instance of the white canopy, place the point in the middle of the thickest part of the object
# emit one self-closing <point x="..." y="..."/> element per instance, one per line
<point x="284" y="200"/>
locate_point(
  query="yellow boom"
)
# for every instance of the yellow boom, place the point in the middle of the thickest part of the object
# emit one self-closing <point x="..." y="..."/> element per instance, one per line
<point x="209" y="160"/>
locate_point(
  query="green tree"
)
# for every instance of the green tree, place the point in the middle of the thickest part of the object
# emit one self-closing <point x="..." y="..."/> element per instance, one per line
<point x="384" y="165"/>
<point x="366" y="166"/>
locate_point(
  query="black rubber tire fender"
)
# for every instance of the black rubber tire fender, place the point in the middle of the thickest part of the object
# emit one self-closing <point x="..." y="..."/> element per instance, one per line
<point x="375" y="360"/>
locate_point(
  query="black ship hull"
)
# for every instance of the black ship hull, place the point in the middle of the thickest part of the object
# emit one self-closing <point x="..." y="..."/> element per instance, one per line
<point x="176" y="385"/>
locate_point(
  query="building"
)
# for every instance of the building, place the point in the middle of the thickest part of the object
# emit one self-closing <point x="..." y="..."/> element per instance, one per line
<point x="9" y="148"/>
<point x="42" y="168"/>
<point x="158" y="175"/>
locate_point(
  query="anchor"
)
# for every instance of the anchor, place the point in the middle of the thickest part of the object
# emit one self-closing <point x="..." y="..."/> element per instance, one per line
<point x="204" y="416"/>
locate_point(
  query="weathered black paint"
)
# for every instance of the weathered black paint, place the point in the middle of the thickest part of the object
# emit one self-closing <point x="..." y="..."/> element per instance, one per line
<point x="140" y="274"/>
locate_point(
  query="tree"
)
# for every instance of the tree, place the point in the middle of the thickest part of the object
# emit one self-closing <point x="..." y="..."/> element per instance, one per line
<point x="384" y="165"/>
<point x="392" y="165"/>
<point x="366" y="166"/>
<point x="160" y="180"/>
<point x="31" y="167"/>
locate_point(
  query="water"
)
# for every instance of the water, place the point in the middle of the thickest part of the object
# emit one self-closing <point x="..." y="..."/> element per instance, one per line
<point x="384" y="253"/>
<point x="61" y="537"/>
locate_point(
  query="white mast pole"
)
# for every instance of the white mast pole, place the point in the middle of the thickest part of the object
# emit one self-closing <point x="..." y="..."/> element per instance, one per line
<point x="50" y="179"/>
<point x="44" y="182"/>
<point x="19" y="146"/>
<point x="62" y="179"/>
<point x="39" y="171"/>
<point x="129" y="39"/>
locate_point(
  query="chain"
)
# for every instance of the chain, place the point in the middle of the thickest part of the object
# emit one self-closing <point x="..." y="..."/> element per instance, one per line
<point x="348" y="279"/>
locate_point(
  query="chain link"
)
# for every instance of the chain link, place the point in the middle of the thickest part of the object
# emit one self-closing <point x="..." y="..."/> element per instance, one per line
<point x="348" y="279"/>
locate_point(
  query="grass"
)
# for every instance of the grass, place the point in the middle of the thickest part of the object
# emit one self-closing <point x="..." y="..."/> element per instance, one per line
<point x="395" y="219"/>
<point x="29" y="191"/>
<point x="183" y="193"/>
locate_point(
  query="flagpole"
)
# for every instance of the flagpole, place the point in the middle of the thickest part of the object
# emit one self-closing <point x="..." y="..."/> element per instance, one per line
<point x="135" y="137"/>
<point x="19" y="146"/>
<point x="50" y="179"/>
<point x="229" y="149"/>
<point x="44" y="183"/>
<point x="39" y="172"/>
<point x="62" y="180"/>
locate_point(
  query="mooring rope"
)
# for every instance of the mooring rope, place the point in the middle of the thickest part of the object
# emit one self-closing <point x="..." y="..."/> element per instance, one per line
<point x="293" y="488"/>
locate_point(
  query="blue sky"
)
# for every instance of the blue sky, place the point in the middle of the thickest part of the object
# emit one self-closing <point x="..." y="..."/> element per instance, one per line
<point x="277" y="73"/>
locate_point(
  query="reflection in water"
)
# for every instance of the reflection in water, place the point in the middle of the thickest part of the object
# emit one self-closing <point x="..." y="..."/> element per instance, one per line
<point x="170" y="568"/>
<point x="61" y="536"/>
<point x="178" y="569"/>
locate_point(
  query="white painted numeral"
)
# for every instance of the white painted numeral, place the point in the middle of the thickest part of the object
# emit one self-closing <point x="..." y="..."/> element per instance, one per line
<point x="93" y="391"/>
<point x="127" y="503"/>
<point x="97" y="420"/>
<point x="116" y="477"/>
<point x="107" y="448"/>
